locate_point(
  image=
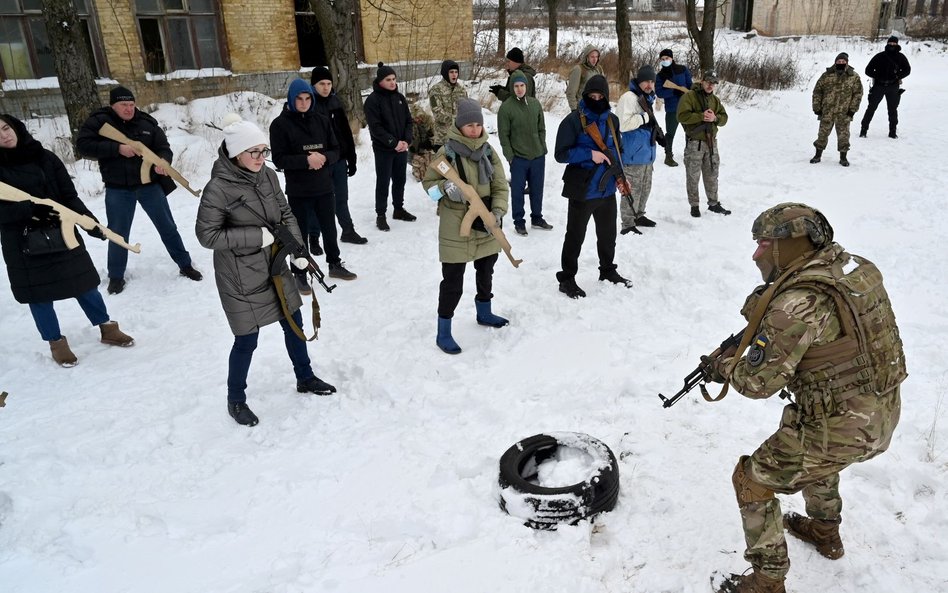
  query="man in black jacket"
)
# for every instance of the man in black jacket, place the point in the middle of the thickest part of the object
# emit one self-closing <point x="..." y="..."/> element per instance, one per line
<point x="329" y="105"/>
<point x="886" y="69"/>
<point x="305" y="149"/>
<point x="120" y="167"/>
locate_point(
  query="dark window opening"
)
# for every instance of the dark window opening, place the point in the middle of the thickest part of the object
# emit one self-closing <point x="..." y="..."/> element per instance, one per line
<point x="179" y="35"/>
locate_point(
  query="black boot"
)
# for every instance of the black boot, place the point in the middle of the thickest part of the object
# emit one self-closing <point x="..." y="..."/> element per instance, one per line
<point x="892" y="133"/>
<point x="816" y="157"/>
<point x="719" y="209"/>
<point x="315" y="385"/>
<point x="842" y="159"/>
<point x="242" y="414"/>
<point x="862" y="131"/>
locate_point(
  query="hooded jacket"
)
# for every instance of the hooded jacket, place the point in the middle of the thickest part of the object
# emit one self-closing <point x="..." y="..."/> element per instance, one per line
<point x="241" y="265"/>
<point x="116" y="170"/>
<point x="40" y="278"/>
<point x="580" y="75"/>
<point x="522" y="128"/>
<point x="443" y="98"/>
<point x="529" y="73"/>
<point x="389" y="118"/>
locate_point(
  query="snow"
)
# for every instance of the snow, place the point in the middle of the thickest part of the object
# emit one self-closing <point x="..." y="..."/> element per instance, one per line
<point x="126" y="474"/>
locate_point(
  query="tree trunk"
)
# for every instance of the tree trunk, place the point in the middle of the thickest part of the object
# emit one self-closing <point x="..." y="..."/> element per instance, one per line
<point x="337" y="21"/>
<point x="703" y="37"/>
<point x="501" y="27"/>
<point x="624" y="35"/>
<point x="551" y="46"/>
<point x="73" y="62"/>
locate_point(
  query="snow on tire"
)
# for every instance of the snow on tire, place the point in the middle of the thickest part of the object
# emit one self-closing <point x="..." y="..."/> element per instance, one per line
<point x="558" y="477"/>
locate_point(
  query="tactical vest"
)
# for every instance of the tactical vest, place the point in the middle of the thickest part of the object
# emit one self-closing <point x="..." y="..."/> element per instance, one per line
<point x="867" y="358"/>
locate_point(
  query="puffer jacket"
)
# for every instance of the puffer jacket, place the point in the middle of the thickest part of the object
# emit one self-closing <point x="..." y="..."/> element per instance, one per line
<point x="241" y="266"/>
<point x="293" y="136"/>
<point x="118" y="171"/>
<point x="389" y="118"/>
<point x="452" y="247"/>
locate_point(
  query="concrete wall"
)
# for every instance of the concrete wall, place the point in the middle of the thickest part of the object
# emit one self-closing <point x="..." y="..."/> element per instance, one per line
<point x="812" y="17"/>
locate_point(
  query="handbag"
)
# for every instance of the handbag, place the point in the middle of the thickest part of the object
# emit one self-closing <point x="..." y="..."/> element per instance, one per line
<point x="43" y="241"/>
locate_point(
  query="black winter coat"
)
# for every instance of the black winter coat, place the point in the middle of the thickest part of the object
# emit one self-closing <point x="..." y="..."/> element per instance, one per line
<point x="389" y="118"/>
<point x="40" y="278"/>
<point x="332" y="108"/>
<point x="293" y="136"/>
<point x="118" y="171"/>
<point x="888" y="67"/>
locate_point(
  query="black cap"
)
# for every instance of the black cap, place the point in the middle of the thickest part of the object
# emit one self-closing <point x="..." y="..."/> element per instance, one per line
<point x="120" y="93"/>
<point x="842" y="56"/>
<point x="383" y="72"/>
<point x="516" y="55"/>
<point x="666" y="52"/>
<point x="320" y="73"/>
<point x="447" y="66"/>
<point x="893" y="39"/>
<point x="597" y="84"/>
<point x="645" y="73"/>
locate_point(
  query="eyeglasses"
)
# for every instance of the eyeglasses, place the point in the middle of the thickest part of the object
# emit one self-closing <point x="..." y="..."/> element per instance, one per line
<point x="256" y="154"/>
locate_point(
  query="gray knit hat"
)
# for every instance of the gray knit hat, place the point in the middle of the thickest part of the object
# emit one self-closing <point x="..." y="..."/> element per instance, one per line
<point x="646" y="72"/>
<point x="469" y="112"/>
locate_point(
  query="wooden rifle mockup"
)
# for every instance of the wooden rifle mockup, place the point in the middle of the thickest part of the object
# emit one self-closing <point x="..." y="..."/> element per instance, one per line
<point x="149" y="158"/>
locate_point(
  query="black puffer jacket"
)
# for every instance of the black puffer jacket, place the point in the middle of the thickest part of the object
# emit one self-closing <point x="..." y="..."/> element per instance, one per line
<point x="389" y="118"/>
<point x="117" y="170"/>
<point x="293" y="135"/>
<point x="332" y="108"/>
<point x="40" y="278"/>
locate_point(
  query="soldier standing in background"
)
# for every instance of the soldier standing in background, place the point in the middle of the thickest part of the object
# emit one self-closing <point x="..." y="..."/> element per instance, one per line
<point x="886" y="69"/>
<point x="836" y="99"/>
<point x="701" y="113"/>
<point x="443" y="98"/>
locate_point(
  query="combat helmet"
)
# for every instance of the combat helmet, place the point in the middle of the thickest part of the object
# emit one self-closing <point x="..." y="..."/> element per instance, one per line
<point x="791" y="220"/>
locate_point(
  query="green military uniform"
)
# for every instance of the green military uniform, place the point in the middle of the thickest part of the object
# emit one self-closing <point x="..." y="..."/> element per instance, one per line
<point x="580" y="75"/>
<point x="443" y="98"/>
<point x="836" y="98"/>
<point x="828" y="337"/>
<point x="701" y="157"/>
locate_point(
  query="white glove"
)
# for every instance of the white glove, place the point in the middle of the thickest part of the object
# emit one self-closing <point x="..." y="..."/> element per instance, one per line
<point x="453" y="192"/>
<point x="267" y="237"/>
<point x="300" y="263"/>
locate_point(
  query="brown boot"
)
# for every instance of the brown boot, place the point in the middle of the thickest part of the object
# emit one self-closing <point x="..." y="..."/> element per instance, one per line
<point x="61" y="352"/>
<point x="113" y="336"/>
<point x="754" y="582"/>
<point x="822" y="534"/>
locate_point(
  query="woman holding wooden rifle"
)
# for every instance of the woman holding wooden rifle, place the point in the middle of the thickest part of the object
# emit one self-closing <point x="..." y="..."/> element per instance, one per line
<point x="40" y="266"/>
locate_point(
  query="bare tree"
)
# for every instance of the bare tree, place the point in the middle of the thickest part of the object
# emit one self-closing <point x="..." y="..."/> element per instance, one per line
<point x="337" y="21"/>
<point x="73" y="62"/>
<point x="552" y="7"/>
<point x="501" y="27"/>
<point x="624" y="35"/>
<point x="703" y="37"/>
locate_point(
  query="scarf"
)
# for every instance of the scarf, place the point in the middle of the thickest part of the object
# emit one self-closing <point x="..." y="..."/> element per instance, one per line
<point x="481" y="156"/>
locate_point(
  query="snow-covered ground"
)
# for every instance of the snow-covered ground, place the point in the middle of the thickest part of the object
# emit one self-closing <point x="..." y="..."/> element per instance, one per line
<point x="125" y="474"/>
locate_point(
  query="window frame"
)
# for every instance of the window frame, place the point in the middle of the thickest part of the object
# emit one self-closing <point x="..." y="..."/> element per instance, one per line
<point x="171" y="51"/>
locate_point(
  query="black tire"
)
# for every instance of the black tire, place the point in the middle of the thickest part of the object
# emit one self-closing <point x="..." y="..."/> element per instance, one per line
<point x="545" y="508"/>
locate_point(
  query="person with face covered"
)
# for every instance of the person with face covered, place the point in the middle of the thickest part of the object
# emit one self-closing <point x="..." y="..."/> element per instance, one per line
<point x="821" y="329"/>
<point x="587" y="67"/>
<point x="679" y="74"/>
<point x="443" y="98"/>
<point x="836" y="99"/>
<point x="886" y="69"/>
<point x="590" y="185"/>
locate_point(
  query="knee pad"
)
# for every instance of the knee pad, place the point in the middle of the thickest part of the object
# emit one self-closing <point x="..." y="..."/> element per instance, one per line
<point x="747" y="490"/>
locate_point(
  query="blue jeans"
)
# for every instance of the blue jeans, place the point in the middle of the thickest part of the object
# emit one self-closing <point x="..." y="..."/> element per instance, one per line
<point x="242" y="352"/>
<point x="522" y="171"/>
<point x="340" y="187"/>
<point x="120" y="210"/>
<point x="48" y="324"/>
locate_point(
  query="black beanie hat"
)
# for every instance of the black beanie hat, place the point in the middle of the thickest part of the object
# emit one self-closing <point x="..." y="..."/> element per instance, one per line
<point x="646" y="72"/>
<point x="666" y="52"/>
<point x="120" y="93"/>
<point x="597" y="84"/>
<point x="383" y="72"/>
<point x="447" y="66"/>
<point x="516" y="55"/>
<point x="842" y="56"/>
<point x="320" y="73"/>
<point x="893" y="39"/>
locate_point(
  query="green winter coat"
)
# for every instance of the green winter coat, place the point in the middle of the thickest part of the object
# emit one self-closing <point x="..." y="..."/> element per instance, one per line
<point x="837" y="94"/>
<point x="443" y="98"/>
<point x="691" y="113"/>
<point x="522" y="128"/>
<point x="579" y="75"/>
<point x="529" y="73"/>
<point x="452" y="247"/>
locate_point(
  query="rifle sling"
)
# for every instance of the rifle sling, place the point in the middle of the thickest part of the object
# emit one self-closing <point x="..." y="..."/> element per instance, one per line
<point x="597" y="137"/>
<point x="281" y="293"/>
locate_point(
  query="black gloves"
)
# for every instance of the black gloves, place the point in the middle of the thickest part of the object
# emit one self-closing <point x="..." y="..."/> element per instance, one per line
<point x="495" y="88"/>
<point x="44" y="214"/>
<point x="351" y="169"/>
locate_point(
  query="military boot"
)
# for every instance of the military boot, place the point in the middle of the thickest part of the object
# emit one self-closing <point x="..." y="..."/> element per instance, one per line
<point x="816" y="157"/>
<point x="892" y="133"/>
<point x="61" y="352"/>
<point x="863" y="131"/>
<point x="824" y="535"/>
<point x="843" y="160"/>
<point x="754" y="582"/>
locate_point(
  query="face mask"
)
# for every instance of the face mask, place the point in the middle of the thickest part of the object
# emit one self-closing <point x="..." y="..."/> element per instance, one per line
<point x="665" y="63"/>
<point x="840" y="67"/>
<point x="598" y="107"/>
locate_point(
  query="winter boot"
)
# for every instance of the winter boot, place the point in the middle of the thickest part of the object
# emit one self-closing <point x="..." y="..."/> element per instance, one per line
<point x="485" y="317"/>
<point x="892" y="133"/>
<point x="843" y="160"/>
<point x="670" y="160"/>
<point x="444" y="339"/>
<point x="339" y="271"/>
<point x="351" y="236"/>
<point x="644" y="221"/>
<point x="521" y="229"/>
<point x="863" y="131"/>
<point x="61" y="352"/>
<point x="751" y="583"/>
<point x="824" y="535"/>
<point x="191" y="274"/>
<point x="381" y="223"/>
<point x="314" y="247"/>
<point x="571" y="289"/>
<point x="116" y="285"/>
<point x="816" y="158"/>
<point x="719" y="209"/>
<point x="402" y="214"/>
<point x="314" y="385"/>
<point x="541" y="224"/>
<point x="695" y="212"/>
<point x="113" y="336"/>
<point x="614" y="277"/>
<point x="242" y="414"/>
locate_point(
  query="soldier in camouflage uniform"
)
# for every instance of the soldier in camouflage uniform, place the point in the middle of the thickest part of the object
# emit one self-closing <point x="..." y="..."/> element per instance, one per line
<point x="421" y="148"/>
<point x="822" y="330"/>
<point x="836" y="99"/>
<point x="444" y="97"/>
<point x="701" y="113"/>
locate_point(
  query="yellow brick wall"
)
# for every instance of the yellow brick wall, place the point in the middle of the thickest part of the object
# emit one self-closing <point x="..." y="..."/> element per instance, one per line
<point x="417" y="30"/>
<point x="261" y="36"/>
<point x="123" y="48"/>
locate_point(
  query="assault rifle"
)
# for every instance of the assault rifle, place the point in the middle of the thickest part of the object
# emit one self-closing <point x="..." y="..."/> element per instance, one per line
<point x="149" y="158"/>
<point x="68" y="219"/>
<point x="288" y="245"/>
<point x="614" y="169"/>
<point x="701" y="376"/>
<point x="476" y="208"/>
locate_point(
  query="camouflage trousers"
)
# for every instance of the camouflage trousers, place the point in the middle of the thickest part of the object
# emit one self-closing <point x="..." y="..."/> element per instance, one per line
<point x="701" y="161"/>
<point x="640" y="178"/>
<point x="841" y="123"/>
<point x="419" y="164"/>
<point x="807" y="454"/>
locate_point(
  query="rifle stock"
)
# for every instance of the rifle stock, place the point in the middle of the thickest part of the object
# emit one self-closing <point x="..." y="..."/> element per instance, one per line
<point x="149" y="158"/>
<point x="68" y="219"/>
<point x="671" y="85"/>
<point x="476" y="208"/>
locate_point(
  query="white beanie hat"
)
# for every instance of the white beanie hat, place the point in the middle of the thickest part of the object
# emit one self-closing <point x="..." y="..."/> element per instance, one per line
<point x="239" y="135"/>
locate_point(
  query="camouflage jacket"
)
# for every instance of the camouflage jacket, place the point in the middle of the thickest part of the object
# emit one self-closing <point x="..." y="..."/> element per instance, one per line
<point x="422" y="130"/>
<point x="837" y="94"/>
<point x="443" y="98"/>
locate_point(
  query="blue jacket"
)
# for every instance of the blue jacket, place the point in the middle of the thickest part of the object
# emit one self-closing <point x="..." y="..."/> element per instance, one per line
<point x="678" y="74"/>
<point x="574" y="146"/>
<point x="638" y="145"/>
